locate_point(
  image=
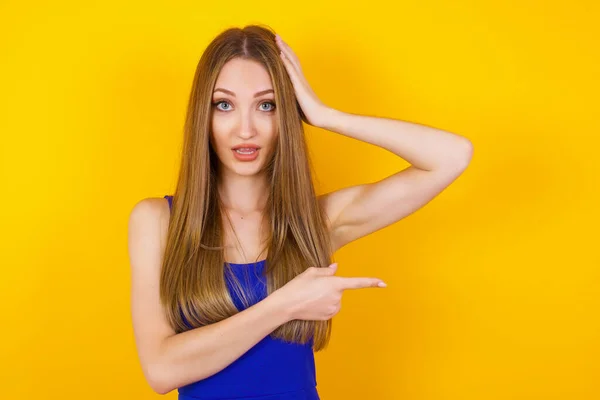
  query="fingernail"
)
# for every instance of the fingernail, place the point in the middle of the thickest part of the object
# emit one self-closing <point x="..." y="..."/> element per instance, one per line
<point x="381" y="284"/>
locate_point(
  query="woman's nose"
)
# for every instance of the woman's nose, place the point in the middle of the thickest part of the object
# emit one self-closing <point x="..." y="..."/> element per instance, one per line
<point x="247" y="127"/>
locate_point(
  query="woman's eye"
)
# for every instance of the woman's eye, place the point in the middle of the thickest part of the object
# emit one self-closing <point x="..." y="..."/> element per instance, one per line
<point x="219" y="102"/>
<point x="271" y="103"/>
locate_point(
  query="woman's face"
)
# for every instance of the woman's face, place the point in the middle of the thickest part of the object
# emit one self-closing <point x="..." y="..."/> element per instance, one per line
<point x="243" y="113"/>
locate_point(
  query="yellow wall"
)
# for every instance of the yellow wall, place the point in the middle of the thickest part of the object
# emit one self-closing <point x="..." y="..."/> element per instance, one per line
<point x="492" y="287"/>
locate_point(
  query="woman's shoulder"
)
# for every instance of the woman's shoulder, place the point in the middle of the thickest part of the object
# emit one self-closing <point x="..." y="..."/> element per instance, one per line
<point x="150" y="216"/>
<point x="153" y="207"/>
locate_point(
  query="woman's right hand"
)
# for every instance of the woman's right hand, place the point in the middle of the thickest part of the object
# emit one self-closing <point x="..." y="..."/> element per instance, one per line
<point x="316" y="294"/>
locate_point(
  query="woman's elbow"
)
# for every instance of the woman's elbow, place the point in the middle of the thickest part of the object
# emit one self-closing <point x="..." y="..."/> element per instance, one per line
<point x="157" y="378"/>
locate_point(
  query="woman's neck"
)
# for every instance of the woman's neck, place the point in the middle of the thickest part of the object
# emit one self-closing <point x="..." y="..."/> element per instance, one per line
<point x="243" y="194"/>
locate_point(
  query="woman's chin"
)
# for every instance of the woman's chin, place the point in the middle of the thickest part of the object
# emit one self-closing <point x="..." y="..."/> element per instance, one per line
<point x="246" y="169"/>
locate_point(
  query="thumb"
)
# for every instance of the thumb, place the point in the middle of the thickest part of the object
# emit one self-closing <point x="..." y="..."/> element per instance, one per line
<point x="329" y="270"/>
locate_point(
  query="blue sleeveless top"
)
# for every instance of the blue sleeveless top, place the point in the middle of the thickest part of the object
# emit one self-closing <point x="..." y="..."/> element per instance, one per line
<point x="270" y="370"/>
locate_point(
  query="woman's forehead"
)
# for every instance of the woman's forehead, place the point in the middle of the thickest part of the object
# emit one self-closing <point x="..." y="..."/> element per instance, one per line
<point x="243" y="78"/>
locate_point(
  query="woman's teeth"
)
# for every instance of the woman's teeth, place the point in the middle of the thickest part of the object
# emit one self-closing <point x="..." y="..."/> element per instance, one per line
<point x="245" y="150"/>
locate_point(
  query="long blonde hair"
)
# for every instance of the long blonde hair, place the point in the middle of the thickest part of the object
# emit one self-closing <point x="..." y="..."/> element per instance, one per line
<point x="192" y="282"/>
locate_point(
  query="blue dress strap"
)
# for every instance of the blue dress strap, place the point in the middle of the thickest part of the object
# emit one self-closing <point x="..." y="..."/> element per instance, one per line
<point x="170" y="200"/>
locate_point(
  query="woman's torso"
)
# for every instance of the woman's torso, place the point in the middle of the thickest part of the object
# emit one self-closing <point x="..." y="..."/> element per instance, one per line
<point x="272" y="369"/>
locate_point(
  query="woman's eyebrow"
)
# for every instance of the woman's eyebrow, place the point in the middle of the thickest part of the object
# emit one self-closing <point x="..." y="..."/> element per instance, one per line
<point x="257" y="94"/>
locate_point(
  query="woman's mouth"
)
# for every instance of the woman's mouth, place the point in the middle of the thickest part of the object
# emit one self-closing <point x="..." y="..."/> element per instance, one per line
<point x="246" y="154"/>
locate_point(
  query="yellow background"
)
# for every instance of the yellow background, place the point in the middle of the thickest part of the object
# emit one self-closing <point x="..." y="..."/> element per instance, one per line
<point x="492" y="287"/>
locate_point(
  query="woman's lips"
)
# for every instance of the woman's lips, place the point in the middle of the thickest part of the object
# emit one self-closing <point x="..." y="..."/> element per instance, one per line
<point x="246" y="157"/>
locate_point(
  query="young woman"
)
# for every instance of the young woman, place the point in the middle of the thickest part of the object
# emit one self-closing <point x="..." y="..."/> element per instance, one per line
<point x="232" y="282"/>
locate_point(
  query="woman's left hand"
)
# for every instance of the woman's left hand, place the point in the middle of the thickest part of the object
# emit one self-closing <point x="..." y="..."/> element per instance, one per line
<point x="313" y="109"/>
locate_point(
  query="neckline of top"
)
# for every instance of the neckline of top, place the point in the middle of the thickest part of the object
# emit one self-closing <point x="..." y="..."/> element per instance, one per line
<point x="256" y="262"/>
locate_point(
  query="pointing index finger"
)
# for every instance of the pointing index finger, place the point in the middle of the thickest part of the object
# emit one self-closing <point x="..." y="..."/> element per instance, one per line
<point x="359" y="282"/>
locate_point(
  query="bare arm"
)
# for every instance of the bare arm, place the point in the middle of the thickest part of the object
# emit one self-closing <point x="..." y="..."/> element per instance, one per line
<point x="171" y="360"/>
<point x="202" y="352"/>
